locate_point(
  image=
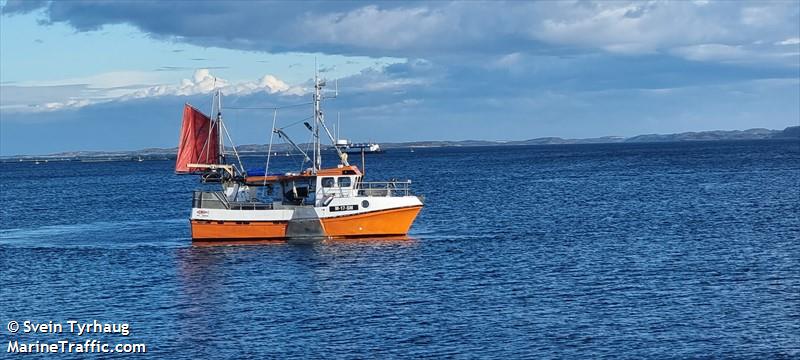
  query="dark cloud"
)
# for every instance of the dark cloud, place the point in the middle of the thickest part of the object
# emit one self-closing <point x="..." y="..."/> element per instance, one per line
<point x="429" y="29"/>
<point x="23" y="6"/>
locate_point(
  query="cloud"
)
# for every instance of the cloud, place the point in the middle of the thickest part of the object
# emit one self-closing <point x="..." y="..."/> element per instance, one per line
<point x="451" y="108"/>
<point x="325" y="69"/>
<point x="472" y="69"/>
<point x="203" y="82"/>
<point x="507" y="61"/>
<point x="73" y="92"/>
<point x="432" y="29"/>
<point x="125" y="86"/>
<point x="27" y="98"/>
<point x="738" y="54"/>
<point x="184" y="68"/>
<point x="23" y="6"/>
<point x="760" y="16"/>
<point x="390" y="29"/>
<point x="112" y="79"/>
<point x="789" y="41"/>
<point x="716" y="52"/>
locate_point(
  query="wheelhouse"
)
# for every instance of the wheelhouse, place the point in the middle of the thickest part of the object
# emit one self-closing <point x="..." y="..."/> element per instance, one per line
<point x="311" y="189"/>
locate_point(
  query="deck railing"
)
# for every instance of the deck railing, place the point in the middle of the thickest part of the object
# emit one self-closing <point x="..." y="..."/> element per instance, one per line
<point x="217" y="200"/>
<point x="384" y="188"/>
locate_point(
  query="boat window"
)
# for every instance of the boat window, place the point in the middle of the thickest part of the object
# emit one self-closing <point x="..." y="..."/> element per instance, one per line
<point x="327" y="182"/>
<point x="344" y="181"/>
<point x="294" y="193"/>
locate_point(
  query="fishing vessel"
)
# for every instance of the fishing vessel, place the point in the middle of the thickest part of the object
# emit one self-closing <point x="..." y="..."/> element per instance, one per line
<point x="333" y="202"/>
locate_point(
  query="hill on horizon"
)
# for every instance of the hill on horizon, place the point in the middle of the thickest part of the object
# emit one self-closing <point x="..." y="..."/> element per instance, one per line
<point x="791" y="132"/>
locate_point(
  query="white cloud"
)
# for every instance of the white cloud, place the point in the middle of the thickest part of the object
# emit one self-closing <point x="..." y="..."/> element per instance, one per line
<point x="267" y="83"/>
<point x="711" y="52"/>
<point x="735" y="54"/>
<point x="73" y="104"/>
<point x="789" y="41"/>
<point x="203" y="82"/>
<point x="107" y="80"/>
<point x="394" y="84"/>
<point x="101" y="88"/>
<point x="759" y="16"/>
<point x="507" y="61"/>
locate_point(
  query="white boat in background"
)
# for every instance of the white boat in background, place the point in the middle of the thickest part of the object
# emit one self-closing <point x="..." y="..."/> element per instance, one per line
<point x="350" y="147"/>
<point x="318" y="202"/>
<point x="358" y="148"/>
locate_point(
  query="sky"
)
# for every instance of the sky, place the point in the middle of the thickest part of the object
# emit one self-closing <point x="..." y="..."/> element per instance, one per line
<point x="102" y="75"/>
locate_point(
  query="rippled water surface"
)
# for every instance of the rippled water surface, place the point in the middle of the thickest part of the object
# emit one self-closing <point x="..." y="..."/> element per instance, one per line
<point x="624" y="250"/>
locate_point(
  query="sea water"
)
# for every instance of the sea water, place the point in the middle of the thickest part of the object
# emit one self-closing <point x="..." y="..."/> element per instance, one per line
<point x="663" y="250"/>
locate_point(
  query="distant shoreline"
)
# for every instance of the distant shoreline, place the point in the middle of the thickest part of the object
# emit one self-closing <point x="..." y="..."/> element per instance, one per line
<point x="792" y="132"/>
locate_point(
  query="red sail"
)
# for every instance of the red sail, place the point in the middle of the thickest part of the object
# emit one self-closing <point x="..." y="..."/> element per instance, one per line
<point x="199" y="143"/>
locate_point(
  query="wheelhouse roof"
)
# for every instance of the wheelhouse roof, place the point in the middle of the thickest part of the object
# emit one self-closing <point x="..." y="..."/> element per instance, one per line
<point x="337" y="171"/>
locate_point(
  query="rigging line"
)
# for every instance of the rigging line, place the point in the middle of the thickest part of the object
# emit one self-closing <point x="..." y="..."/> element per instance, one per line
<point x="269" y="149"/>
<point x="290" y="153"/>
<point x="269" y="108"/>
<point x="216" y="100"/>
<point x="205" y="145"/>
<point x="211" y="125"/>
<point x="235" y="152"/>
<point x="297" y="122"/>
<point x="308" y="144"/>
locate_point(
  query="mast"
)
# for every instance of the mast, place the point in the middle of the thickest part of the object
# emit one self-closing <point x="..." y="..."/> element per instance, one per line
<point x="319" y="122"/>
<point x="317" y="119"/>
<point x="221" y="152"/>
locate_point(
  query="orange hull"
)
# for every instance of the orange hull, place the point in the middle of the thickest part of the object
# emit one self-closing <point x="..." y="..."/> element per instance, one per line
<point x="209" y="230"/>
<point x="377" y="223"/>
<point x="391" y="222"/>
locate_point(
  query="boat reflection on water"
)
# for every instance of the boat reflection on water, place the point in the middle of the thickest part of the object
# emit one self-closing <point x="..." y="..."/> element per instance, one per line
<point x="266" y="281"/>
